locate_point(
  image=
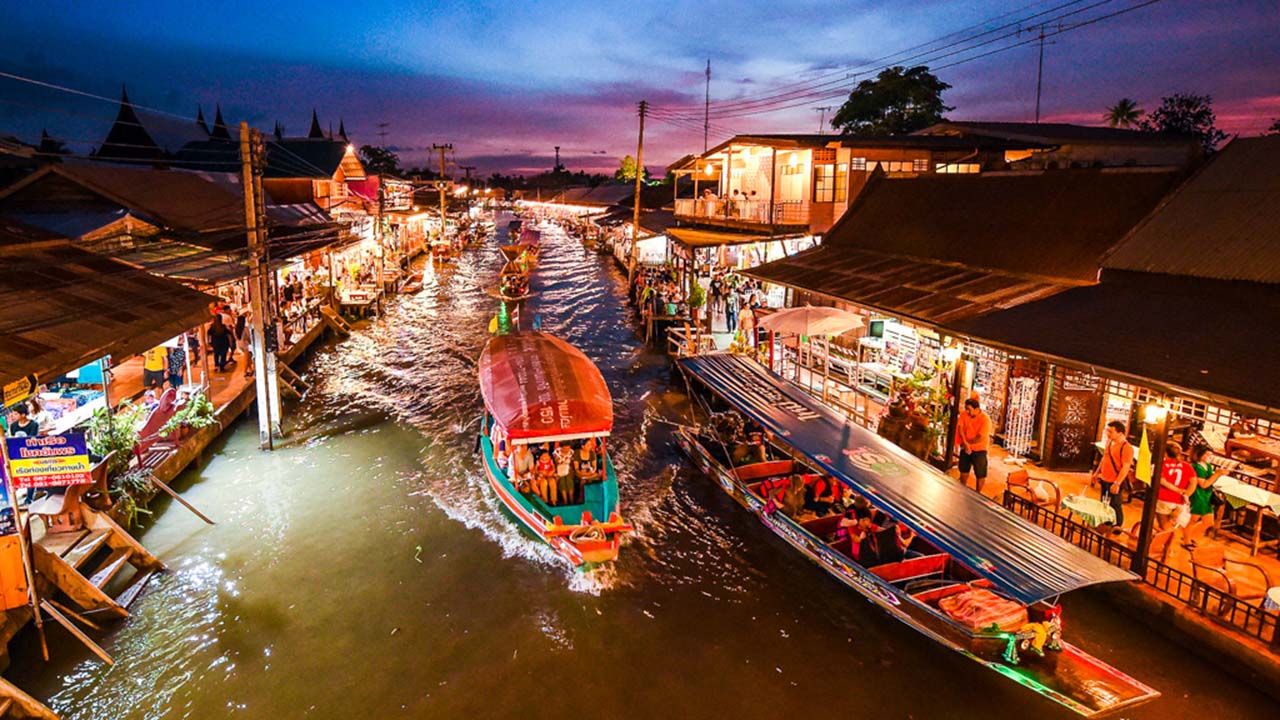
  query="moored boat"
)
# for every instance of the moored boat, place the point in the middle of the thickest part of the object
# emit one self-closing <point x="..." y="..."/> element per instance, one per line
<point x="544" y="395"/>
<point x="937" y="556"/>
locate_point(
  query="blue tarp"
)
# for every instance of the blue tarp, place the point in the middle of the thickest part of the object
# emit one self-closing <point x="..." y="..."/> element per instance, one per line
<point x="1024" y="560"/>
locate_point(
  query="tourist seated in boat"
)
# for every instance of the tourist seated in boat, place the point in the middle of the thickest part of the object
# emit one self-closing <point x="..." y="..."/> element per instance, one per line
<point x="544" y="477"/>
<point x="821" y="495"/>
<point x="521" y="468"/>
<point x="750" y="450"/>
<point x="587" y="462"/>
<point x="772" y="489"/>
<point x="793" y="497"/>
<point x="499" y="440"/>
<point x="566" y="490"/>
<point x="861" y="535"/>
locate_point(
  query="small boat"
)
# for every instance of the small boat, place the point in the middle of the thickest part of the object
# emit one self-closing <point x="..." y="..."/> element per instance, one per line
<point x="513" y="284"/>
<point x="971" y="575"/>
<point x="540" y="389"/>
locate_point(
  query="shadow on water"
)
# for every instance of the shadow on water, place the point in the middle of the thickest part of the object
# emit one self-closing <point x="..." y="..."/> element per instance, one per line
<point x="363" y="569"/>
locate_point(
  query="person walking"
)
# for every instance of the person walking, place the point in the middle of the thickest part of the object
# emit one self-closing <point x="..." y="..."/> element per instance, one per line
<point x="731" y="301"/>
<point x="1114" y="469"/>
<point x="176" y="363"/>
<point x="154" y="365"/>
<point x="220" y="339"/>
<point x="973" y="435"/>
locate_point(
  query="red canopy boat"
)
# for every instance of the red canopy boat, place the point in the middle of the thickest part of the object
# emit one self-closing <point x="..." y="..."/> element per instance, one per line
<point x="540" y="388"/>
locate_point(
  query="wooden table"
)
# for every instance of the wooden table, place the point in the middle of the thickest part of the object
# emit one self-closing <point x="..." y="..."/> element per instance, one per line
<point x="1091" y="512"/>
<point x="1241" y="494"/>
<point x="1260" y="445"/>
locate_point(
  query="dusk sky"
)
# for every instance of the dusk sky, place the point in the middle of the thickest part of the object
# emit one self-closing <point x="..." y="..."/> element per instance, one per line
<point x="507" y="81"/>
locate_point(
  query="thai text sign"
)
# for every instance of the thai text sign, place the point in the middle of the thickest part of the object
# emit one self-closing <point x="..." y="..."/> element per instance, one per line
<point x="19" y="389"/>
<point x="55" y="460"/>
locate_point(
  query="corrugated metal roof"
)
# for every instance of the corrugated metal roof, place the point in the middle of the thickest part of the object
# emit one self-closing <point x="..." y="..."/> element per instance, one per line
<point x="927" y="291"/>
<point x="690" y="237"/>
<point x="1225" y="344"/>
<point x="1057" y="224"/>
<point x="1222" y="223"/>
<point x="66" y="307"/>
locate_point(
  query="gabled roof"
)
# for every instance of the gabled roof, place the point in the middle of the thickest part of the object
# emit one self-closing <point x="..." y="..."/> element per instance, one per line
<point x="175" y="199"/>
<point x="1224" y="222"/>
<point x="127" y="138"/>
<point x="1055" y="223"/>
<point x="1054" y="133"/>
<point x="600" y="195"/>
<point x="66" y="307"/>
<point x="945" y="248"/>
<point x="305" y="157"/>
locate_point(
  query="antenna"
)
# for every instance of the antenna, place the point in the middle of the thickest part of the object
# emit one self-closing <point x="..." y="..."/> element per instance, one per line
<point x="1040" y="36"/>
<point x="382" y="133"/>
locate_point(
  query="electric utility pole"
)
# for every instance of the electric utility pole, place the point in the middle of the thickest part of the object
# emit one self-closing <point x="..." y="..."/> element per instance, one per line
<point x="635" y="218"/>
<point x="250" y="161"/>
<point x="822" y="117"/>
<point x="706" y="109"/>
<point x="441" y="185"/>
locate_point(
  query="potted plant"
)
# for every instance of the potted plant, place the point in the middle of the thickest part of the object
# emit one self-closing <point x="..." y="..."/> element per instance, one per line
<point x="697" y="300"/>
<point x="117" y="432"/>
<point x="129" y="492"/>
<point x="195" y="414"/>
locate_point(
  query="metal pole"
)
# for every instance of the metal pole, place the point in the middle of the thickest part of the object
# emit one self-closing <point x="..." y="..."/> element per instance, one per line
<point x="706" y="109"/>
<point x="1039" y="74"/>
<point x="382" y="246"/>
<point x="1147" y="529"/>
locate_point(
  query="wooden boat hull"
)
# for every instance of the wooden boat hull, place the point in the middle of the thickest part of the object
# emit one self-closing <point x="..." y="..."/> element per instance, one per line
<point x="583" y="543"/>
<point x="1070" y="677"/>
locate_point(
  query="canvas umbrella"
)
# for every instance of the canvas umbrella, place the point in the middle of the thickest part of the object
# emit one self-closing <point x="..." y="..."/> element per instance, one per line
<point x="809" y="321"/>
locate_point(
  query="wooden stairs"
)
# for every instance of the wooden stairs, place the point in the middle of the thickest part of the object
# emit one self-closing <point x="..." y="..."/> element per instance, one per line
<point x="291" y="381"/>
<point x="80" y="564"/>
<point x="335" y="321"/>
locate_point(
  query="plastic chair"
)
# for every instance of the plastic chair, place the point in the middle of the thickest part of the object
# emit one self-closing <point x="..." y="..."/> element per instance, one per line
<point x="1214" y="563"/>
<point x="1021" y="483"/>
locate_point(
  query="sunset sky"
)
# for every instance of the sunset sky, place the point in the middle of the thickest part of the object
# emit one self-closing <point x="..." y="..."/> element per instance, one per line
<point x="505" y="82"/>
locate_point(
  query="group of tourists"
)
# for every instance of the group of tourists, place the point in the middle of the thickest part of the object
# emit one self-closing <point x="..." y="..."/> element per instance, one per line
<point x="228" y="332"/>
<point x="166" y="366"/>
<point x="555" y="473"/>
<point x="736" y="204"/>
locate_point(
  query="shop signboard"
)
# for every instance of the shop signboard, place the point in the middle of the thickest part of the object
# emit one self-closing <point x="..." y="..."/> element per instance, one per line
<point x="20" y="389"/>
<point x="49" y="461"/>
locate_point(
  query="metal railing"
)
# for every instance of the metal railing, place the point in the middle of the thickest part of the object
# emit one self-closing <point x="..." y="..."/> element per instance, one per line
<point x="1239" y="614"/>
<point x="791" y="212"/>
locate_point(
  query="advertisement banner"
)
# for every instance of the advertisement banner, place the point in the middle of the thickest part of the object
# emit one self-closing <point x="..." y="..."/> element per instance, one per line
<point x="52" y="461"/>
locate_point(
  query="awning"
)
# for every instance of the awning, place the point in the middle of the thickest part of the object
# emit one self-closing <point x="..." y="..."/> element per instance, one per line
<point x="65" y="307"/>
<point x="692" y="238"/>
<point x="931" y="292"/>
<point x="1229" y="325"/>
<point x="1022" y="559"/>
<point x="540" y="388"/>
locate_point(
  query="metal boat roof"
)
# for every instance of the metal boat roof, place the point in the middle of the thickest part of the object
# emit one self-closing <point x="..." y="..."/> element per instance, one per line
<point x="1023" y="560"/>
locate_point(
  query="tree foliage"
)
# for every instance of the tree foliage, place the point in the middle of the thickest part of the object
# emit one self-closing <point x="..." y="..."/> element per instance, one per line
<point x="1124" y="114"/>
<point x="627" y="169"/>
<point x="1275" y="127"/>
<point x="380" y="161"/>
<point x="897" y="102"/>
<point x="1189" y="115"/>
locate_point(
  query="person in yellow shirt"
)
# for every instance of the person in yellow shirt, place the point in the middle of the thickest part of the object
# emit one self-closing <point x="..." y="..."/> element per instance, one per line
<point x="154" y="364"/>
<point x="973" y="436"/>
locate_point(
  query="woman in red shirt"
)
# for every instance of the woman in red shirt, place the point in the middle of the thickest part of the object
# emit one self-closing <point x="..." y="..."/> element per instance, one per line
<point x="1176" y="481"/>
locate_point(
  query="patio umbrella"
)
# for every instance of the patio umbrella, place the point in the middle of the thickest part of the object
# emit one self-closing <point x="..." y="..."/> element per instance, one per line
<point x="810" y="321"/>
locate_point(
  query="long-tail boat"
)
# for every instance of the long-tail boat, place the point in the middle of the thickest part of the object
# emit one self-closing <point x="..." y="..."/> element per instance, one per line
<point x="538" y="391"/>
<point x="947" y="561"/>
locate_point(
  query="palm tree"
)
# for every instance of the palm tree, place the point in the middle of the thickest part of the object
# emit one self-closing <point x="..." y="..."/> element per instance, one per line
<point x="1123" y="114"/>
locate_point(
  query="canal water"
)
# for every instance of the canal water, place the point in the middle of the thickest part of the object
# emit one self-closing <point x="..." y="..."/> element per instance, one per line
<point x="364" y="570"/>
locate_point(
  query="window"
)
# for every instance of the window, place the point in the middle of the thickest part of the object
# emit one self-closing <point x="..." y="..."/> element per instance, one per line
<point x="958" y="168"/>
<point x="842" y="182"/>
<point x="920" y="165"/>
<point x="858" y="163"/>
<point x="824" y="186"/>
